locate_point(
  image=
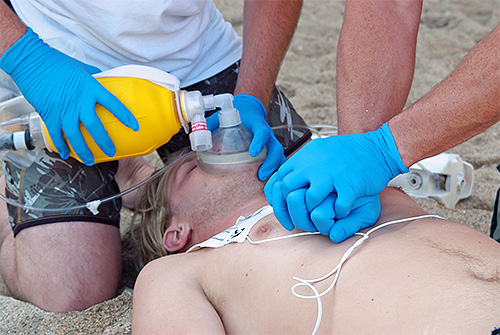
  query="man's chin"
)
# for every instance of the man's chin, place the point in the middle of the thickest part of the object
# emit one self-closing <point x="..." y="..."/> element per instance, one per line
<point x="231" y="172"/>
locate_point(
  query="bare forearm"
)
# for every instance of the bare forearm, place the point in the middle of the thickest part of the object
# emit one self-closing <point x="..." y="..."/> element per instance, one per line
<point x="11" y="28"/>
<point x="268" y="27"/>
<point x="464" y="104"/>
<point x="375" y="61"/>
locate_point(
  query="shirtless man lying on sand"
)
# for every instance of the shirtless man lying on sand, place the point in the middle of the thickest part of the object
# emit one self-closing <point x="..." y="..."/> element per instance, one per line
<point x="422" y="276"/>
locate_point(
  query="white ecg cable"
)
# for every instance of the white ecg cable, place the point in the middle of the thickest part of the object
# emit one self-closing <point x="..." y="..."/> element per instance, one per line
<point x="310" y="282"/>
<point x="281" y="237"/>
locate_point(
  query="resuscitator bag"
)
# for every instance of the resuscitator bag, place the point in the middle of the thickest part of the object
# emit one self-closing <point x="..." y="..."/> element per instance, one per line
<point x="149" y="94"/>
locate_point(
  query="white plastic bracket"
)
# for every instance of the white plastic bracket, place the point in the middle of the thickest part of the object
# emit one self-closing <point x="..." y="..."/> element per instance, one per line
<point x="445" y="178"/>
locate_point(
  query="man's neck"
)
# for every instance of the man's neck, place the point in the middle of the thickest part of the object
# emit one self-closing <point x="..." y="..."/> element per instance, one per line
<point x="209" y="228"/>
<point x="267" y="227"/>
<point x="245" y="210"/>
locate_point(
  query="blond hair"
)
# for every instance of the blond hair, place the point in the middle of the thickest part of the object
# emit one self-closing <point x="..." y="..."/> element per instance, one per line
<point x="152" y="215"/>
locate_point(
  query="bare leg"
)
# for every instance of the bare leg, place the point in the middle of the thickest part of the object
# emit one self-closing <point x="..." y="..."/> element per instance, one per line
<point x="60" y="266"/>
<point x="132" y="171"/>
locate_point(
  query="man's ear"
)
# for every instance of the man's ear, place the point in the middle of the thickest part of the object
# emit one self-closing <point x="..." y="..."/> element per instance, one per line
<point x="176" y="237"/>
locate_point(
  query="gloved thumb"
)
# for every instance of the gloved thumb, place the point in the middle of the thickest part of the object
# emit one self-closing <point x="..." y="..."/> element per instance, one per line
<point x="344" y="202"/>
<point x="365" y="213"/>
<point x="323" y="216"/>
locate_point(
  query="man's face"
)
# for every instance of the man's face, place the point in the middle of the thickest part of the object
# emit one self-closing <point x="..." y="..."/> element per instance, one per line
<point x="204" y="200"/>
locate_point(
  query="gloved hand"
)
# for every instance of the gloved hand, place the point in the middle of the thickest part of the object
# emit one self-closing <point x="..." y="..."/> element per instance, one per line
<point x="64" y="93"/>
<point x="364" y="213"/>
<point x="352" y="168"/>
<point x="253" y="118"/>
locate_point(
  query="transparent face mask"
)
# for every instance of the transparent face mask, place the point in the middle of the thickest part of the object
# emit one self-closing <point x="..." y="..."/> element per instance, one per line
<point x="229" y="152"/>
<point x="230" y="144"/>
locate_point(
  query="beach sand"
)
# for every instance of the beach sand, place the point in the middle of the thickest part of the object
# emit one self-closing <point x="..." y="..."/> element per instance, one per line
<point x="448" y="30"/>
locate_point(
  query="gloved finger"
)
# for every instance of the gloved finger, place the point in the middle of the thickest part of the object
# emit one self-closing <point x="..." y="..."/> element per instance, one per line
<point x="285" y="169"/>
<point x="94" y="126"/>
<point x="268" y="188"/>
<point x="116" y="107"/>
<point x="323" y="216"/>
<point x="59" y="142"/>
<point x="345" y="199"/>
<point x="77" y="142"/>
<point x="370" y="206"/>
<point x="293" y="181"/>
<point x="296" y="202"/>
<point x="363" y="216"/>
<point x="213" y="121"/>
<point x="261" y="137"/>
<point x="274" y="159"/>
<point x="280" y="208"/>
<point x="317" y="192"/>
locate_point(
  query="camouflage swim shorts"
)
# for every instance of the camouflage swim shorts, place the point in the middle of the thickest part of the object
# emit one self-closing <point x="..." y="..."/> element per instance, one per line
<point x="52" y="187"/>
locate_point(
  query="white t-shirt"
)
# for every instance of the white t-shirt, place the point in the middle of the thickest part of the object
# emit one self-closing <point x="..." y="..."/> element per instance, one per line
<point x="187" y="38"/>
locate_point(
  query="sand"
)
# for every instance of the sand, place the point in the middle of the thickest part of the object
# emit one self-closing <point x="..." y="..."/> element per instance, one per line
<point x="448" y="30"/>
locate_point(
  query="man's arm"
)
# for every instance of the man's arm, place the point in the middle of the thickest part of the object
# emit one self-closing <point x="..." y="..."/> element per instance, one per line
<point x="359" y="166"/>
<point x="375" y="61"/>
<point x="464" y="104"/>
<point x="268" y="27"/>
<point x="60" y="88"/>
<point x="11" y="28"/>
<point x="169" y="300"/>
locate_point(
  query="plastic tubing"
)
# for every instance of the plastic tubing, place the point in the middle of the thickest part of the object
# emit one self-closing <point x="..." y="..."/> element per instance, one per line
<point x="316" y="129"/>
<point x="98" y="201"/>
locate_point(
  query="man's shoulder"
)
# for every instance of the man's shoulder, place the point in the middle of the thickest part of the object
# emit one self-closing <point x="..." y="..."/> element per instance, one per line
<point x="167" y="269"/>
<point x="165" y="264"/>
<point x="161" y="263"/>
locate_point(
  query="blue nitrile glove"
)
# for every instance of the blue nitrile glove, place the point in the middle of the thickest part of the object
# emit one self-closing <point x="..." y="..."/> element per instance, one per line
<point x="365" y="211"/>
<point x="64" y="93"/>
<point x="253" y="118"/>
<point x="352" y="167"/>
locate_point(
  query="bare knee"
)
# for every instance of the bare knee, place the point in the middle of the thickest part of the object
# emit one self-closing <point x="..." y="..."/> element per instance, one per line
<point x="5" y="229"/>
<point x="62" y="267"/>
<point x="78" y="296"/>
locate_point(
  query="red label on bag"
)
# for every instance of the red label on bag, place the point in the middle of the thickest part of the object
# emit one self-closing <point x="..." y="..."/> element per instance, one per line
<point x="198" y="126"/>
